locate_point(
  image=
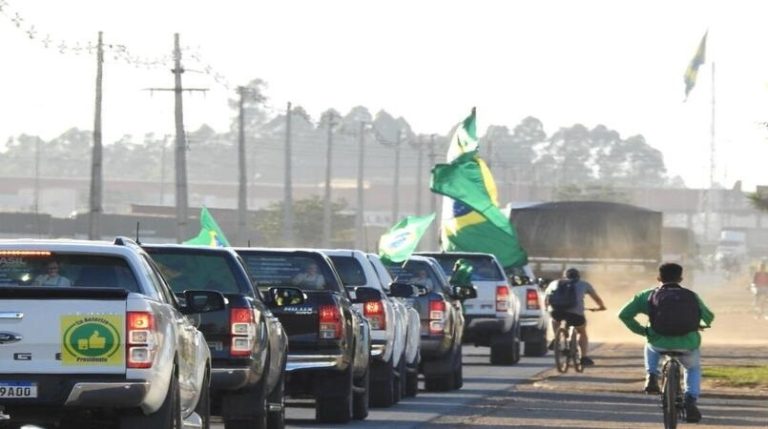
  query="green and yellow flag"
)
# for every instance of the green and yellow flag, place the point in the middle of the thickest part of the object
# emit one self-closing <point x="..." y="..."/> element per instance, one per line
<point x="210" y="233"/>
<point x="693" y="68"/>
<point x="472" y="221"/>
<point x="397" y="245"/>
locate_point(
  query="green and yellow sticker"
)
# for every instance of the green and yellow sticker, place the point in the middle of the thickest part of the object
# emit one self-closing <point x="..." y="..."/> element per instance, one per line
<point x="92" y="340"/>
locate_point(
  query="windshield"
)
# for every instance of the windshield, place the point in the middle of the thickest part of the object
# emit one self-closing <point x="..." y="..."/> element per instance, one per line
<point x="186" y="270"/>
<point x="66" y="270"/>
<point x="415" y="272"/>
<point x="349" y="269"/>
<point x="484" y="268"/>
<point x="308" y="272"/>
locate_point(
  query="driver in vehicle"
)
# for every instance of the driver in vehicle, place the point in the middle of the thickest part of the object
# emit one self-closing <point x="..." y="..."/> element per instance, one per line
<point x="310" y="278"/>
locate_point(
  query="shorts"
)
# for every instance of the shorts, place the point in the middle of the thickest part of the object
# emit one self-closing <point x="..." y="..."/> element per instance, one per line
<point x="571" y="319"/>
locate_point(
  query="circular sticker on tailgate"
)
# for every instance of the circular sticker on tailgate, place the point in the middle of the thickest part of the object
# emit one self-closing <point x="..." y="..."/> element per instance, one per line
<point x="94" y="339"/>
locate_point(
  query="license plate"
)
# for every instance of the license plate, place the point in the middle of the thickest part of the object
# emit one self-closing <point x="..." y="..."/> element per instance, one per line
<point x="18" y="389"/>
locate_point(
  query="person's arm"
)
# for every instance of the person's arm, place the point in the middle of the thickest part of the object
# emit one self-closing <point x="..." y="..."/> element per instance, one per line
<point x="707" y="316"/>
<point x="595" y="297"/>
<point x="630" y="310"/>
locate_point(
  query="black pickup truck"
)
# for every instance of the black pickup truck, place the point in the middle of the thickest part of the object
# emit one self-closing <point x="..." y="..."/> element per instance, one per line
<point x="442" y="320"/>
<point x="329" y="340"/>
<point x="247" y="342"/>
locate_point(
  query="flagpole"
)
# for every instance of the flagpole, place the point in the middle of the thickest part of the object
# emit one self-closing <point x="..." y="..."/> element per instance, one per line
<point x="710" y="199"/>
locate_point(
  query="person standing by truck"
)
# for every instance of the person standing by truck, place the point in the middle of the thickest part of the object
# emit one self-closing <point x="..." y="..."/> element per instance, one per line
<point x="565" y="301"/>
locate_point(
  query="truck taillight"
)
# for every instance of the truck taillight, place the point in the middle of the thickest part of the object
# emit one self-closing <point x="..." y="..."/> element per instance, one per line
<point x="242" y="330"/>
<point x="374" y="312"/>
<point x="330" y="322"/>
<point x="436" y="315"/>
<point x="140" y="339"/>
<point x="502" y="298"/>
<point x="532" y="299"/>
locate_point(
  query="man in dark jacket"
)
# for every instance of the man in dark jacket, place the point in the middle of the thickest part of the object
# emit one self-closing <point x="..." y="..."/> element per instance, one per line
<point x="670" y="276"/>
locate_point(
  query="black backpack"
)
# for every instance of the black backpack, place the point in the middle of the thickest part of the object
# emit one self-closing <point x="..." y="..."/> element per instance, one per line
<point x="563" y="297"/>
<point x="674" y="310"/>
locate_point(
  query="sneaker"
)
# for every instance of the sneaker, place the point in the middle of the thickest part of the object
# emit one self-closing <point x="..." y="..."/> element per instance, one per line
<point x="652" y="384"/>
<point x="551" y="345"/>
<point x="587" y="361"/>
<point x="692" y="413"/>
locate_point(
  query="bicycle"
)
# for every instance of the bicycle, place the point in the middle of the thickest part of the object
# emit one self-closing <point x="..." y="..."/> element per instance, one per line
<point x="671" y="390"/>
<point x="567" y="348"/>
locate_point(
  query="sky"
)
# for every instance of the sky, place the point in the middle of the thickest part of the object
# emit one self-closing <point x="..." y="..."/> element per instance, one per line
<point x="617" y="63"/>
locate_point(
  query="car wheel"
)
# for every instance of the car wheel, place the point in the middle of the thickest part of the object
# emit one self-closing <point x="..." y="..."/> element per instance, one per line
<point x="398" y="385"/>
<point x="383" y="389"/>
<point x="275" y="417"/>
<point x="238" y="405"/>
<point x="336" y="408"/>
<point x="412" y="377"/>
<point x="505" y="349"/>
<point x="458" y="371"/>
<point x="536" y="347"/>
<point x="203" y="408"/>
<point x="361" y="396"/>
<point x="167" y="416"/>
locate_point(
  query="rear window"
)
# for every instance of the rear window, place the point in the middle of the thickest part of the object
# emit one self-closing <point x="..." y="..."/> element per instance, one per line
<point x="484" y="268"/>
<point x="350" y="270"/>
<point x="201" y="271"/>
<point x="66" y="270"/>
<point x="414" y="272"/>
<point x="303" y="271"/>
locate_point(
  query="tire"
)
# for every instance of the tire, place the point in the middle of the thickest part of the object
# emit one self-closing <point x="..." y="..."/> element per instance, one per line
<point x="276" y="419"/>
<point x="398" y="387"/>
<point x="669" y="396"/>
<point x="203" y="408"/>
<point x="361" y="399"/>
<point x="537" y="347"/>
<point x="168" y="416"/>
<point x="561" y="350"/>
<point x="576" y="352"/>
<point x="412" y="382"/>
<point x="383" y="388"/>
<point x="441" y="383"/>
<point x="458" y="370"/>
<point x="505" y="349"/>
<point x="337" y="408"/>
<point x="256" y="398"/>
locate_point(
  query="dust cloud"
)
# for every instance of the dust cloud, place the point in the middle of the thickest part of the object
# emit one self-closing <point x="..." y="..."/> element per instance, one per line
<point x="730" y="300"/>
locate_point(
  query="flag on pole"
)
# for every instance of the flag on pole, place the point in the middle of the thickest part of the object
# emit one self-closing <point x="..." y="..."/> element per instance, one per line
<point x="210" y="233"/>
<point x="693" y="68"/>
<point x="471" y="219"/>
<point x="397" y="245"/>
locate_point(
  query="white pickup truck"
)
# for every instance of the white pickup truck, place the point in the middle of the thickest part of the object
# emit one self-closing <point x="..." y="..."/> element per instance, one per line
<point x="92" y="336"/>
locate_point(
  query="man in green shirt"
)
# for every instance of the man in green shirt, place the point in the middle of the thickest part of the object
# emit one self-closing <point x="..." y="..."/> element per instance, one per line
<point x="670" y="275"/>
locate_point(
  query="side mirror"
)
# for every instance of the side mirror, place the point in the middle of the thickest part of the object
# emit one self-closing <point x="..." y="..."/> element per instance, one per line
<point x="402" y="290"/>
<point x="464" y="292"/>
<point x="282" y="296"/>
<point x="366" y="294"/>
<point x="202" y="301"/>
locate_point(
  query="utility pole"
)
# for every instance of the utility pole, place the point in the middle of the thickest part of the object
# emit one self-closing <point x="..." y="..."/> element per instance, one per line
<point x="181" y="143"/>
<point x="360" y="233"/>
<point x="327" y="197"/>
<point x="94" y="217"/>
<point x="288" y="188"/>
<point x="433" y="237"/>
<point x="242" y="200"/>
<point x="419" y="174"/>
<point x="396" y="184"/>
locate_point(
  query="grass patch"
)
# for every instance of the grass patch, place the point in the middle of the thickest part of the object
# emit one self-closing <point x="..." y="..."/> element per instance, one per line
<point x="738" y="376"/>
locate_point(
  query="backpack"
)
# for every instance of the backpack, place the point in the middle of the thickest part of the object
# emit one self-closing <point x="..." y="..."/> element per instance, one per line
<point x="563" y="296"/>
<point x="674" y="310"/>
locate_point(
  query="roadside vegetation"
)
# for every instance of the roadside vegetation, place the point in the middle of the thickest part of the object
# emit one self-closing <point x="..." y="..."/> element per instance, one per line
<point x="738" y="376"/>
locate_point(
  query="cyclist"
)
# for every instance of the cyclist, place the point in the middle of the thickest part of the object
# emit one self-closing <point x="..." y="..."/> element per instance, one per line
<point x="574" y="315"/>
<point x="670" y="276"/>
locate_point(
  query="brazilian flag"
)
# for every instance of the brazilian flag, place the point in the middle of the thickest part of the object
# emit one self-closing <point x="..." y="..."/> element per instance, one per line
<point x="693" y="68"/>
<point x="472" y="221"/>
<point x="210" y="233"/>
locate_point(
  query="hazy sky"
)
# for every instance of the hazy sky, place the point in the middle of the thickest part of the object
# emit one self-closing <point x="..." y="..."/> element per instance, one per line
<point x="619" y="63"/>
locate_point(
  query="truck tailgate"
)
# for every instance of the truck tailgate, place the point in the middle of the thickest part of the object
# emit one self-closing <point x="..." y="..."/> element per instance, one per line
<point x="62" y="331"/>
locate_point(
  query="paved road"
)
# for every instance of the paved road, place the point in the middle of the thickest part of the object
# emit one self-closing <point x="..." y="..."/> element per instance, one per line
<point x="481" y="380"/>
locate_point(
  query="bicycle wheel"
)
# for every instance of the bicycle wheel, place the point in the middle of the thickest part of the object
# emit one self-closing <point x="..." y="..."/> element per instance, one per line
<point x="561" y="350"/>
<point x="669" y="394"/>
<point x="576" y="352"/>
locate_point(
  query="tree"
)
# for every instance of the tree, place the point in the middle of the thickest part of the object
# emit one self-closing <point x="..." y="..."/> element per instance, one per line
<point x="308" y="227"/>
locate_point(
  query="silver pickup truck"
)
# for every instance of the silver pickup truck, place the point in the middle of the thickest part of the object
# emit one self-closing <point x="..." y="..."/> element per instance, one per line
<point x="92" y="336"/>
